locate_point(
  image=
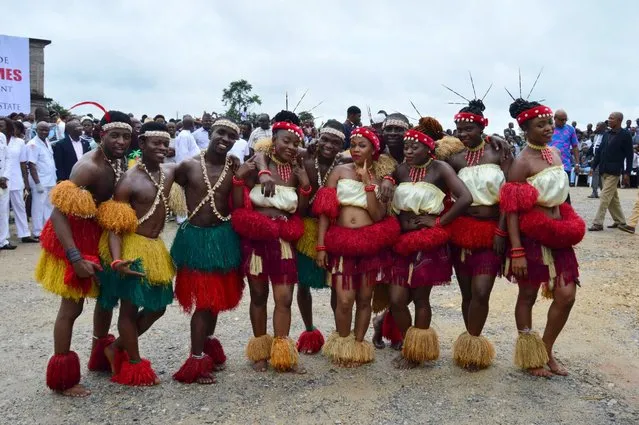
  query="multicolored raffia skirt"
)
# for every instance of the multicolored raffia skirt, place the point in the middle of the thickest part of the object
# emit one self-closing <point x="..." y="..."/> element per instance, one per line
<point x="152" y="292"/>
<point x="310" y="275"/>
<point x="207" y="261"/>
<point x="55" y="273"/>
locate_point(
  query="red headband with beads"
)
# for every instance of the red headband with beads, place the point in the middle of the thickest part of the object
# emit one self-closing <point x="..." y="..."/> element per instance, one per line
<point x="420" y="137"/>
<point x="369" y="135"/>
<point x="468" y="117"/>
<point x="283" y="125"/>
<point x="538" y="111"/>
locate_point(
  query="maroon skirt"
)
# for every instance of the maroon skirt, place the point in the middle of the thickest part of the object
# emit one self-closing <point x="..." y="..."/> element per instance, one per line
<point x="429" y="268"/>
<point x="564" y="263"/>
<point x="266" y="260"/>
<point x="475" y="262"/>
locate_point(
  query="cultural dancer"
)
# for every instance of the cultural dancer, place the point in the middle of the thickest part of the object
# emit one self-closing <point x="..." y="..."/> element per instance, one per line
<point x="69" y="259"/>
<point x="478" y="237"/>
<point x="138" y="270"/>
<point x="320" y="165"/>
<point x="206" y="249"/>
<point x="269" y="226"/>
<point x="543" y="229"/>
<point x="354" y="242"/>
<point x="423" y="258"/>
<point x="384" y="325"/>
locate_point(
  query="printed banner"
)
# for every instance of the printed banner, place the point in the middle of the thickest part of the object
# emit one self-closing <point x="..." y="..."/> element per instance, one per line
<point x="15" y="90"/>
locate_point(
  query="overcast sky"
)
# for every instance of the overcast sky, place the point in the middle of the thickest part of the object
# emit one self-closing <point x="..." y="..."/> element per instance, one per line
<point x="141" y="57"/>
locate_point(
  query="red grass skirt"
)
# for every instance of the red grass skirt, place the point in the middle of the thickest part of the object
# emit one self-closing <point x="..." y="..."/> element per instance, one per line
<point x="203" y="290"/>
<point x="429" y="268"/>
<point x="472" y="233"/>
<point x="351" y="270"/>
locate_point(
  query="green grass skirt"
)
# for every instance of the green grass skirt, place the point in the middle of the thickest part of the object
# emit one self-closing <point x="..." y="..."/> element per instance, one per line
<point x="208" y="249"/>
<point x="309" y="274"/>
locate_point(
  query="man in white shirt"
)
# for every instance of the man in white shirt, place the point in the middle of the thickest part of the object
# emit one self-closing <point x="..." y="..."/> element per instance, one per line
<point x="4" y="197"/>
<point x="185" y="147"/>
<point x="42" y="176"/>
<point x="263" y="131"/>
<point x="15" y="171"/>
<point x="185" y="144"/>
<point x="202" y="134"/>
<point x="240" y="148"/>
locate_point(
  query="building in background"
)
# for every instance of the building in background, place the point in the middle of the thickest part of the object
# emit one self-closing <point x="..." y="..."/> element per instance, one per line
<point x="36" y="72"/>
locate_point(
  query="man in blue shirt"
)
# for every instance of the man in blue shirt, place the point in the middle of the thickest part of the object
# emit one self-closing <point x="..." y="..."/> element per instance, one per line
<point x="353" y="120"/>
<point x="565" y="140"/>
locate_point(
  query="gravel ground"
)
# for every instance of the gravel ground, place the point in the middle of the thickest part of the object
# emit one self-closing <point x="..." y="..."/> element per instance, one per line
<point x="600" y="346"/>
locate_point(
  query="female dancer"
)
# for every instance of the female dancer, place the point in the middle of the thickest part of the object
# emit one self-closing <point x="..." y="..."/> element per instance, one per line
<point x="354" y="248"/>
<point x="478" y="237"/>
<point x="543" y="229"/>
<point x="268" y="226"/>
<point x="423" y="258"/>
<point x="319" y="165"/>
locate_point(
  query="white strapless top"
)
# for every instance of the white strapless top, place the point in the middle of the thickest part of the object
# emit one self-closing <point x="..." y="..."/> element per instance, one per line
<point x="418" y="198"/>
<point x="351" y="193"/>
<point x="483" y="181"/>
<point x="552" y="185"/>
<point x="285" y="198"/>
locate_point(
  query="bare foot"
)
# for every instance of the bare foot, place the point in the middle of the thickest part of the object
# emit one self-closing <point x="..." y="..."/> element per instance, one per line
<point x="219" y="367"/>
<point x="540" y="372"/>
<point x="260" y="366"/>
<point x="378" y="342"/>
<point x="300" y="370"/>
<point x="397" y="346"/>
<point x="402" y="363"/>
<point x="556" y="368"/>
<point x="109" y="352"/>
<point x="76" y="391"/>
<point x="206" y="379"/>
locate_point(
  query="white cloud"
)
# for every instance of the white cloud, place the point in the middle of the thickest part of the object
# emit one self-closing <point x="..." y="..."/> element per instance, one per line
<point x="145" y="57"/>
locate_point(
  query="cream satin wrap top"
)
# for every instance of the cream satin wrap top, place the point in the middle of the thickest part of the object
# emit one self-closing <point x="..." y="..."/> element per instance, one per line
<point x="418" y="198"/>
<point x="285" y="198"/>
<point x="552" y="185"/>
<point x="483" y="181"/>
<point x="351" y="193"/>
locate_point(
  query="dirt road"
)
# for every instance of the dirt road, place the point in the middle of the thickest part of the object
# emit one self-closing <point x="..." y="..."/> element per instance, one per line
<point x="600" y="347"/>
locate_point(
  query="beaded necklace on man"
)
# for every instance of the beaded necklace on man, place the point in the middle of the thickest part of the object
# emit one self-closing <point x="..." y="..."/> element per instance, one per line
<point x="546" y="153"/>
<point x="117" y="165"/>
<point x="473" y="155"/>
<point x="284" y="169"/>
<point x="159" y="196"/>
<point x="212" y="190"/>
<point x="418" y="172"/>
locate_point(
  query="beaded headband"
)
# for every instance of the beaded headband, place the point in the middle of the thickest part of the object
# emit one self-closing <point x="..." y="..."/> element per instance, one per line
<point x="228" y="124"/>
<point x="368" y="135"/>
<point x="396" y="123"/>
<point x="540" y="111"/>
<point x="333" y="131"/>
<point x="117" y="125"/>
<point x="283" y="125"/>
<point x="163" y="134"/>
<point x="420" y="137"/>
<point x="469" y="117"/>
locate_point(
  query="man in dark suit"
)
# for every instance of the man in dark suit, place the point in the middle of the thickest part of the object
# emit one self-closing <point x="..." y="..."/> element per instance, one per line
<point x="614" y="158"/>
<point x="67" y="151"/>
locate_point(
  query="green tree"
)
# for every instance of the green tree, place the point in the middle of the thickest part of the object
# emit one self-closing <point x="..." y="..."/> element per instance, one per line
<point x="306" y="116"/>
<point x="237" y="97"/>
<point x="52" y="105"/>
